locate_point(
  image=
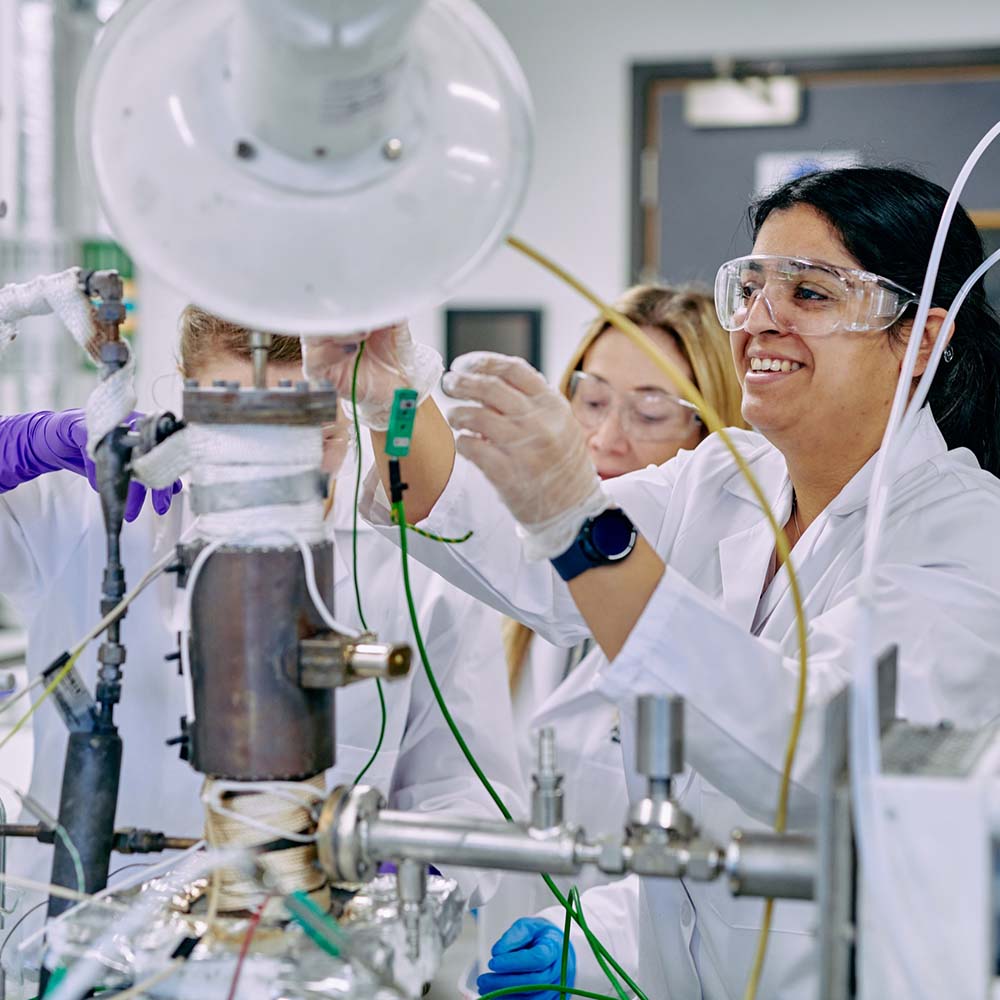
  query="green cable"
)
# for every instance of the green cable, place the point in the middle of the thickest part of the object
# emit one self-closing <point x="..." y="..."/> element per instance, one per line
<point x="538" y="987"/>
<point x="598" y="948"/>
<point x="440" y="538"/>
<point x="354" y="555"/>
<point x="574" y="897"/>
<point x="564" y="963"/>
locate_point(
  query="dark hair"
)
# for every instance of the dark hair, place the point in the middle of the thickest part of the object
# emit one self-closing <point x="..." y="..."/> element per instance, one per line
<point x="887" y="219"/>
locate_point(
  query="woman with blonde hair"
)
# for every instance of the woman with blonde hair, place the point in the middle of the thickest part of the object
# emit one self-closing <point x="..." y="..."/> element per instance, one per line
<point x="683" y="322"/>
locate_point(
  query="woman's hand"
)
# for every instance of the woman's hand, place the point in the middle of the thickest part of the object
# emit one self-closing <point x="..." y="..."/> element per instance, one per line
<point x="32" y="444"/>
<point x="391" y="360"/>
<point x="522" y="434"/>
<point x="529" y="954"/>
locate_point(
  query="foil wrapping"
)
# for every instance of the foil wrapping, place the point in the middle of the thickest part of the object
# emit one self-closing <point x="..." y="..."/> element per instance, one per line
<point x="282" y="963"/>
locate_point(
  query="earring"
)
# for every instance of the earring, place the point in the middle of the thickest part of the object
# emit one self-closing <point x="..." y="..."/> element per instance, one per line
<point x="948" y="354"/>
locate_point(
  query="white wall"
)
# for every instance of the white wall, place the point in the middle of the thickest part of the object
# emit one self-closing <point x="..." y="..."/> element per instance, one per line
<point x="576" y="55"/>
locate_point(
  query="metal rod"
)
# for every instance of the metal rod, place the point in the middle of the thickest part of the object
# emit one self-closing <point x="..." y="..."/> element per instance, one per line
<point x="782" y="866"/>
<point x="35" y="830"/>
<point x="38" y="831"/>
<point x="505" y="846"/>
<point x="260" y="344"/>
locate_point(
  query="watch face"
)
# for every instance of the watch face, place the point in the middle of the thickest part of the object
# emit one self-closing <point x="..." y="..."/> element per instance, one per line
<point x="612" y="533"/>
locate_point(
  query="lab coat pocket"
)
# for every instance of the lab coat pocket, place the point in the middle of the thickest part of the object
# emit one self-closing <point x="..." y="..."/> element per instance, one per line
<point x="720" y="815"/>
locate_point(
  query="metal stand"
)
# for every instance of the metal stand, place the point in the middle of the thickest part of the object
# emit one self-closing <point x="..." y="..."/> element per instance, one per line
<point x="91" y="773"/>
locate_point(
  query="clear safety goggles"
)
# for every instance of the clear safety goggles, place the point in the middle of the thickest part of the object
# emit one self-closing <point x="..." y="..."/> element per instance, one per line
<point x="645" y="415"/>
<point x="806" y="297"/>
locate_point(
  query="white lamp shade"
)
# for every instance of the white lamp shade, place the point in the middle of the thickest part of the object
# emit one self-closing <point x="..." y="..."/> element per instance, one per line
<point x="303" y="244"/>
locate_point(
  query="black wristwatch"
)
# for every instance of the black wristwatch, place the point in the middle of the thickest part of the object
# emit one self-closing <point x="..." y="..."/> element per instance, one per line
<point x="604" y="539"/>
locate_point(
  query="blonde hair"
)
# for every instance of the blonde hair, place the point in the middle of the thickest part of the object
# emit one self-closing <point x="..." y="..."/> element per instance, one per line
<point x="687" y="314"/>
<point x="204" y="337"/>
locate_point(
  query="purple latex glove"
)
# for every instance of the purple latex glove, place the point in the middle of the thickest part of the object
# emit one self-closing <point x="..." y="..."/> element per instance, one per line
<point x="35" y="443"/>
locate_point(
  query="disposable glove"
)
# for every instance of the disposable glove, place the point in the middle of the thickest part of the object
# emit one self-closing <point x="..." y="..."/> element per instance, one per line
<point x="32" y="444"/>
<point x="525" y="439"/>
<point x="391" y="361"/>
<point x="529" y="953"/>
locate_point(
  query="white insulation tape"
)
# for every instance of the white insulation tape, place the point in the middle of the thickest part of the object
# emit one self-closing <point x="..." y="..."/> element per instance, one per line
<point x="218" y="454"/>
<point x="113" y="399"/>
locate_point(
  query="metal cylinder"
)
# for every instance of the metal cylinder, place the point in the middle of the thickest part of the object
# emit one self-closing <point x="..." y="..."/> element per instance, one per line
<point x="253" y="721"/>
<point x="777" y="865"/>
<point x="660" y="737"/>
<point x="380" y="659"/>
<point x="547" y="797"/>
<point x="260" y="345"/>
<point x="501" y="845"/>
<point x="87" y="812"/>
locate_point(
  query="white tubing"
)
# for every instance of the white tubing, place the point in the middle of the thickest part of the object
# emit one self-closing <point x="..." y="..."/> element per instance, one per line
<point x="890" y="895"/>
<point x="924" y="385"/>
<point x="878" y="496"/>
<point x="288" y="792"/>
<point x="185" y="637"/>
<point x="243" y="539"/>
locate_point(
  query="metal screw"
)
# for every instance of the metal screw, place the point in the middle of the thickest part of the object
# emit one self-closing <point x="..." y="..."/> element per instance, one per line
<point x="3" y="208"/>
<point x="392" y="149"/>
<point x="245" y="150"/>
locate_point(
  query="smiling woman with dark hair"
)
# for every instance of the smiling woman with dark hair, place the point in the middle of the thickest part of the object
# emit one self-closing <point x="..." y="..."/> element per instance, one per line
<point x="696" y="602"/>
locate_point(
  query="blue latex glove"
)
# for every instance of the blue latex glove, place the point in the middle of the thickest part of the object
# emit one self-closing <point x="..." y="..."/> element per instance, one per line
<point x="32" y="444"/>
<point x="529" y="953"/>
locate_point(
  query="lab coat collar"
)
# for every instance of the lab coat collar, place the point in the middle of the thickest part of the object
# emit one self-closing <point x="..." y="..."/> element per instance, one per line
<point x="768" y="464"/>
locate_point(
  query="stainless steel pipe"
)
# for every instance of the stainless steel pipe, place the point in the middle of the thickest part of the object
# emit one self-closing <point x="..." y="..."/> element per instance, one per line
<point x="505" y="846"/>
<point x="778" y="865"/>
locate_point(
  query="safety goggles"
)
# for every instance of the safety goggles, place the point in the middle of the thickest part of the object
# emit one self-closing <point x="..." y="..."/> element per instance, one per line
<point x="645" y="414"/>
<point x="806" y="297"/>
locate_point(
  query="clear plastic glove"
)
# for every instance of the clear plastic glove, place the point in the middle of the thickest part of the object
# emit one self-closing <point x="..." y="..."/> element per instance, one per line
<point x="32" y="444"/>
<point x="391" y="360"/>
<point x="525" y="439"/>
<point x="528" y="954"/>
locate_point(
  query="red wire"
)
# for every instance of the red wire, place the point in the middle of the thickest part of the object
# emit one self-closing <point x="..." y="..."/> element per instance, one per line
<point x="245" y="947"/>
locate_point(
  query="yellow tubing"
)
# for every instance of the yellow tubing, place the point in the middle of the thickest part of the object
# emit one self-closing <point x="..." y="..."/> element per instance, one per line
<point x="714" y="424"/>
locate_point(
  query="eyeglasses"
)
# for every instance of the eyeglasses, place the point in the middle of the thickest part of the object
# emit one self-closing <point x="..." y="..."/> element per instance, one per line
<point x="807" y="297"/>
<point x="645" y="414"/>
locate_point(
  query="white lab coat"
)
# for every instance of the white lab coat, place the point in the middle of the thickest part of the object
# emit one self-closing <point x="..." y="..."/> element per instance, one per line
<point x="938" y="594"/>
<point x="589" y="756"/>
<point x="51" y="560"/>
